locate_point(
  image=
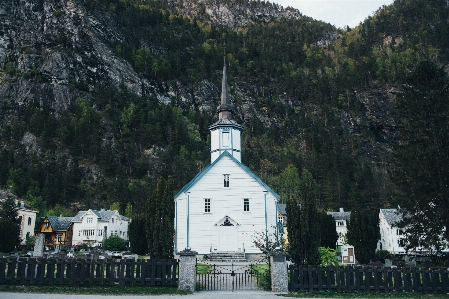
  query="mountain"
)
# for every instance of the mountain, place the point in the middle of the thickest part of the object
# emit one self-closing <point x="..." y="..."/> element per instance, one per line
<point x="98" y="98"/>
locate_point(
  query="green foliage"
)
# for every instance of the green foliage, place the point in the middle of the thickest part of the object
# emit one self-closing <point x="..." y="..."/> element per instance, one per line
<point x="381" y="255"/>
<point x="328" y="233"/>
<point x="30" y="240"/>
<point x="302" y="224"/>
<point x="8" y="209"/>
<point x="422" y="159"/>
<point x="363" y="234"/>
<point x="159" y="215"/>
<point x="59" y="210"/>
<point x="328" y="257"/>
<point x="9" y="234"/>
<point x="137" y="234"/>
<point x="114" y="243"/>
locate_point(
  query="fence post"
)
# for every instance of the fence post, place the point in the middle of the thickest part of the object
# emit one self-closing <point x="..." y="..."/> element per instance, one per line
<point x="279" y="272"/>
<point x="187" y="270"/>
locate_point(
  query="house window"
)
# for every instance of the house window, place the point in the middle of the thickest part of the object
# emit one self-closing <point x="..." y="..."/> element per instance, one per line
<point x="89" y="220"/>
<point x="59" y="238"/>
<point x="29" y="220"/>
<point x="280" y="218"/>
<point x="340" y="223"/>
<point x="246" y="204"/>
<point x="47" y="225"/>
<point x="226" y="180"/>
<point x="207" y="205"/>
<point x="399" y="232"/>
<point x="112" y="220"/>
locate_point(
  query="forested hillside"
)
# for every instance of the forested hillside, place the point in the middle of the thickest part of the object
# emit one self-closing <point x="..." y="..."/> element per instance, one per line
<point x="99" y="98"/>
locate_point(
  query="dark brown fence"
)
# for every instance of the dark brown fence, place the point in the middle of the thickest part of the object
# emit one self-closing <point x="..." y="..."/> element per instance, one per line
<point x="41" y="271"/>
<point x="369" y="279"/>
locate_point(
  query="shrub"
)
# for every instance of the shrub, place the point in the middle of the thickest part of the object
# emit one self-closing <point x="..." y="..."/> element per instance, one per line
<point x="114" y="243"/>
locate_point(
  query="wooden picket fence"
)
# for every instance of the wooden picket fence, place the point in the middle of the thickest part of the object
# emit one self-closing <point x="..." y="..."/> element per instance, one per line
<point x="369" y="279"/>
<point x="43" y="271"/>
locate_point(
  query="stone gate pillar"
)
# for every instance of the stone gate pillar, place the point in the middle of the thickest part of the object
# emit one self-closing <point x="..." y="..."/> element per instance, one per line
<point x="187" y="270"/>
<point x="39" y="246"/>
<point x="279" y="272"/>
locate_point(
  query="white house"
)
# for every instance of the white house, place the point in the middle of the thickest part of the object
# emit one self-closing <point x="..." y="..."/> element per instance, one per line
<point x="226" y="204"/>
<point x="391" y="236"/>
<point x="341" y="224"/>
<point x="25" y="213"/>
<point x="93" y="226"/>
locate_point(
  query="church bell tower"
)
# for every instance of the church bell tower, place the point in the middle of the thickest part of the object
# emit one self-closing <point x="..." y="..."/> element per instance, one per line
<point x="225" y="133"/>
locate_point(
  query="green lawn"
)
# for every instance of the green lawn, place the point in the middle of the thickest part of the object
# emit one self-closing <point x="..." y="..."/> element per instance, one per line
<point x="323" y="294"/>
<point x="202" y="268"/>
<point x="93" y="290"/>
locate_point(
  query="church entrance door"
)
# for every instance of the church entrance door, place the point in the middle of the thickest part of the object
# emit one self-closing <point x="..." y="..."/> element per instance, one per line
<point x="227" y="238"/>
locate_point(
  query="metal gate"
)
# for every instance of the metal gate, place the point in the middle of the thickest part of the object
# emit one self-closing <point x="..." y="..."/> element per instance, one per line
<point x="227" y="277"/>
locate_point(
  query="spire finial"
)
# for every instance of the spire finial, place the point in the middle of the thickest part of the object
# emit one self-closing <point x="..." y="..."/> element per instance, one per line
<point x="225" y="108"/>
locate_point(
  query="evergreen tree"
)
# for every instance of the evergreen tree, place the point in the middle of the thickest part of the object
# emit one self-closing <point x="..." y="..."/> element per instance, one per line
<point x="328" y="232"/>
<point x="303" y="223"/>
<point x="138" y="243"/>
<point x="160" y="215"/>
<point x="422" y="157"/>
<point x="9" y="224"/>
<point x="363" y="234"/>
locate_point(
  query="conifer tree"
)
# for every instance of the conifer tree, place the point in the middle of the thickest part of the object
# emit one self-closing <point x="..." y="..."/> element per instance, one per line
<point x="9" y="224"/>
<point x="328" y="232"/>
<point x="160" y="215"/>
<point x="363" y="234"/>
<point x="137" y="230"/>
<point x="303" y="223"/>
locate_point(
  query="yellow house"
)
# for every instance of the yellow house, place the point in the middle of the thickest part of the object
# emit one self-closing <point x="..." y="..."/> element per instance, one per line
<point x="56" y="230"/>
<point x="282" y="218"/>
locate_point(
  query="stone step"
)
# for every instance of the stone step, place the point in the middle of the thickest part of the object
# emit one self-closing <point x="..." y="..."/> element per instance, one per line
<point x="227" y="257"/>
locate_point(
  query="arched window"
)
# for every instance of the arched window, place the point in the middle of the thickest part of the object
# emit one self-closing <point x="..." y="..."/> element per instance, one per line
<point x="29" y="220"/>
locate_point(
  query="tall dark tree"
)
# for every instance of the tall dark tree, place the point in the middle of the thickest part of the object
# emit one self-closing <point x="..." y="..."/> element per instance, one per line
<point x="363" y="234"/>
<point x="160" y="215"/>
<point x="139" y="244"/>
<point x="328" y="233"/>
<point x="9" y="224"/>
<point x="302" y="225"/>
<point x="422" y="157"/>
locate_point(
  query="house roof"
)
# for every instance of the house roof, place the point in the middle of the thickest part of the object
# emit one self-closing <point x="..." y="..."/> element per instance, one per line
<point x="103" y="215"/>
<point x="21" y="204"/>
<point x="282" y="210"/>
<point x="57" y="223"/>
<point x="340" y="215"/>
<point x="392" y="216"/>
<point x="207" y="168"/>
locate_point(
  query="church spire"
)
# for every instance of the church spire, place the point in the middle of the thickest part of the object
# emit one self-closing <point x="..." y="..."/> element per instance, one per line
<point x="225" y="109"/>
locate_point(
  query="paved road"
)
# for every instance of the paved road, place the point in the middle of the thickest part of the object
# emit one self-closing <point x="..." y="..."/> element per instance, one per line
<point x="197" y="295"/>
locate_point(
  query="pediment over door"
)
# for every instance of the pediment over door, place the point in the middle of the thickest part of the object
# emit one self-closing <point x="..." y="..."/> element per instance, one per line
<point x="226" y="221"/>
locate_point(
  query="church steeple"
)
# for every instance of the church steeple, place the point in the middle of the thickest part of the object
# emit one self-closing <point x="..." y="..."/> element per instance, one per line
<point x="225" y="109"/>
<point x="225" y="133"/>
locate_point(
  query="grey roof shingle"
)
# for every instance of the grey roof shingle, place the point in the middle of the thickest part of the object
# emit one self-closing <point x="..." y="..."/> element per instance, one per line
<point x="21" y="204"/>
<point x="340" y="215"/>
<point x="392" y="216"/>
<point x="103" y="215"/>
<point x="58" y="223"/>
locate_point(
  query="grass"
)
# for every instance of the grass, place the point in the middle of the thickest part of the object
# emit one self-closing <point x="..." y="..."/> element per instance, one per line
<point x="260" y="268"/>
<point x="202" y="268"/>
<point x="93" y="290"/>
<point x="324" y="294"/>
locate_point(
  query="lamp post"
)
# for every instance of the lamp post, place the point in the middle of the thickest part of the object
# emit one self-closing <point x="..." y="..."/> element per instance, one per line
<point x="266" y="219"/>
<point x="188" y="220"/>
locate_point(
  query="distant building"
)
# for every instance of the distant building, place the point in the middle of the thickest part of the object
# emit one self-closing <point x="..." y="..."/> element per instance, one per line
<point x="93" y="226"/>
<point x="341" y="225"/>
<point x="26" y="214"/>
<point x="391" y="236"/>
<point x="56" y="230"/>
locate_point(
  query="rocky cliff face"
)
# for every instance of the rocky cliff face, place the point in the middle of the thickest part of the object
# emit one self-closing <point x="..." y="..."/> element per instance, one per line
<point x="233" y="14"/>
<point x="53" y="52"/>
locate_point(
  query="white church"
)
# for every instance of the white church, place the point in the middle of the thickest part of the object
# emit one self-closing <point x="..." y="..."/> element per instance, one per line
<point x="226" y="204"/>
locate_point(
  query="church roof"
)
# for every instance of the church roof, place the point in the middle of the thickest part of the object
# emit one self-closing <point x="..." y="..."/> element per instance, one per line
<point x="226" y="122"/>
<point x="207" y="168"/>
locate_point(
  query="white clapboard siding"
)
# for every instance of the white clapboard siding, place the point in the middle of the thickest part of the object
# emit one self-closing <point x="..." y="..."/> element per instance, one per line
<point x="204" y="228"/>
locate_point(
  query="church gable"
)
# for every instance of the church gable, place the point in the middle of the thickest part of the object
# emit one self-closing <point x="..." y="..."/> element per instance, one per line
<point x="226" y="221"/>
<point x="226" y="167"/>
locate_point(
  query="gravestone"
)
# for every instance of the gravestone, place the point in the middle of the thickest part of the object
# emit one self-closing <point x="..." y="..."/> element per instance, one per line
<point x="39" y="246"/>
